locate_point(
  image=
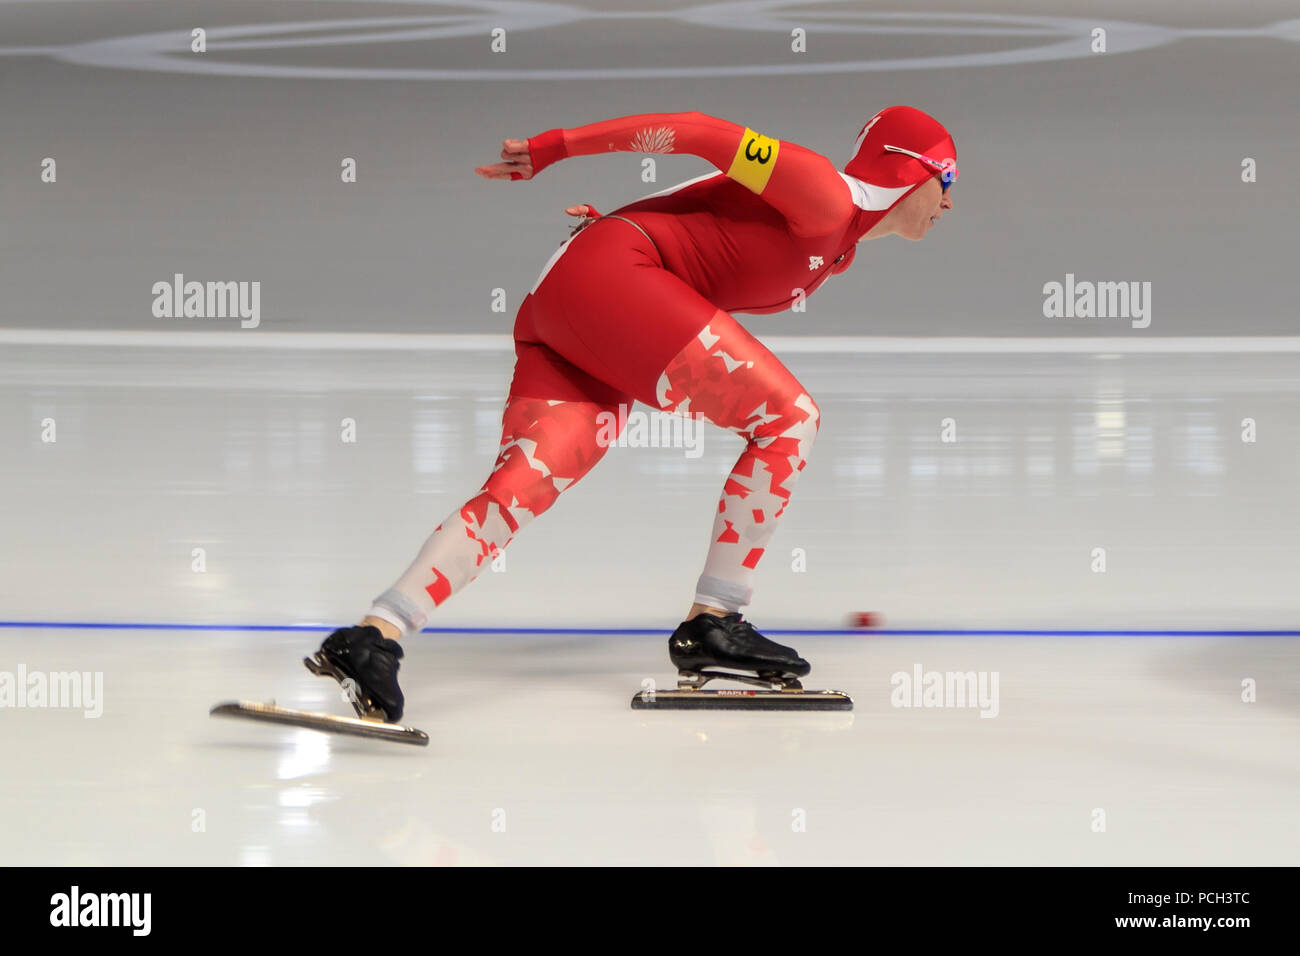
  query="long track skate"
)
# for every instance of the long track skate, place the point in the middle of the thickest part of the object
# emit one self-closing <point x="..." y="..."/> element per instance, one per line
<point x="778" y="693"/>
<point x="369" y="722"/>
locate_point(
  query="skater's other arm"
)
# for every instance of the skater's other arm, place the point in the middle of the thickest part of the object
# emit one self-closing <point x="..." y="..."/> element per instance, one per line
<point x="803" y="185"/>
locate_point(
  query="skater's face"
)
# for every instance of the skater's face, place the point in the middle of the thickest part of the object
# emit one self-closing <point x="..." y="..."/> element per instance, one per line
<point x="921" y="211"/>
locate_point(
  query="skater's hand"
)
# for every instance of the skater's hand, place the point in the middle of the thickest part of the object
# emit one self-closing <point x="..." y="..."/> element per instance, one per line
<point x="518" y="164"/>
<point x="587" y="215"/>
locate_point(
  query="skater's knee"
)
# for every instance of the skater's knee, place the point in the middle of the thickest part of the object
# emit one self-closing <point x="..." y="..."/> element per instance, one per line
<point x="796" y="418"/>
<point x="805" y="401"/>
<point x="522" y="493"/>
<point x="516" y="503"/>
<point x="547" y="447"/>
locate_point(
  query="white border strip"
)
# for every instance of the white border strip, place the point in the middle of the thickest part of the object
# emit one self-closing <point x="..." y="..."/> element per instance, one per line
<point x="456" y="342"/>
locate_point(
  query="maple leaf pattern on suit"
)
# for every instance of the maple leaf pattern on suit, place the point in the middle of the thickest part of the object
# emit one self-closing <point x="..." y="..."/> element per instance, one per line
<point x="658" y="140"/>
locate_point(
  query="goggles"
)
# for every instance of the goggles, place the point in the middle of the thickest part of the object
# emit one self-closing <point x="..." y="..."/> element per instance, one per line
<point x="948" y="168"/>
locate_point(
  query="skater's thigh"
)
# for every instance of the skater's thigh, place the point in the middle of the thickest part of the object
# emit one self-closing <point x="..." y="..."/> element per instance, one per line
<point x="608" y="306"/>
<point x="558" y="422"/>
<point x="547" y="445"/>
<point x="733" y="380"/>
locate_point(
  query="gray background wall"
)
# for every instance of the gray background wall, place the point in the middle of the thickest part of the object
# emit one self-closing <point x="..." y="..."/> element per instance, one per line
<point x="1116" y="166"/>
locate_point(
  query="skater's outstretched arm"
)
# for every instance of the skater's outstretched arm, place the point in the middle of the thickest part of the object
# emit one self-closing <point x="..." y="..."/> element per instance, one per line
<point x="803" y="185"/>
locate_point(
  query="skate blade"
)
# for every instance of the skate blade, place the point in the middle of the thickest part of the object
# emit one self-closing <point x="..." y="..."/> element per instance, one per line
<point x="351" y="726"/>
<point x="729" y="699"/>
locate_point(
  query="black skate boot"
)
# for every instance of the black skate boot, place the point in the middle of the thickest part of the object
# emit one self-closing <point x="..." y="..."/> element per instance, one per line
<point x="708" y="641"/>
<point x="365" y="663"/>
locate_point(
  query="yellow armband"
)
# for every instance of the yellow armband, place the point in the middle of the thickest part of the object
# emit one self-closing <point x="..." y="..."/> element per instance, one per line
<point x="754" y="160"/>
